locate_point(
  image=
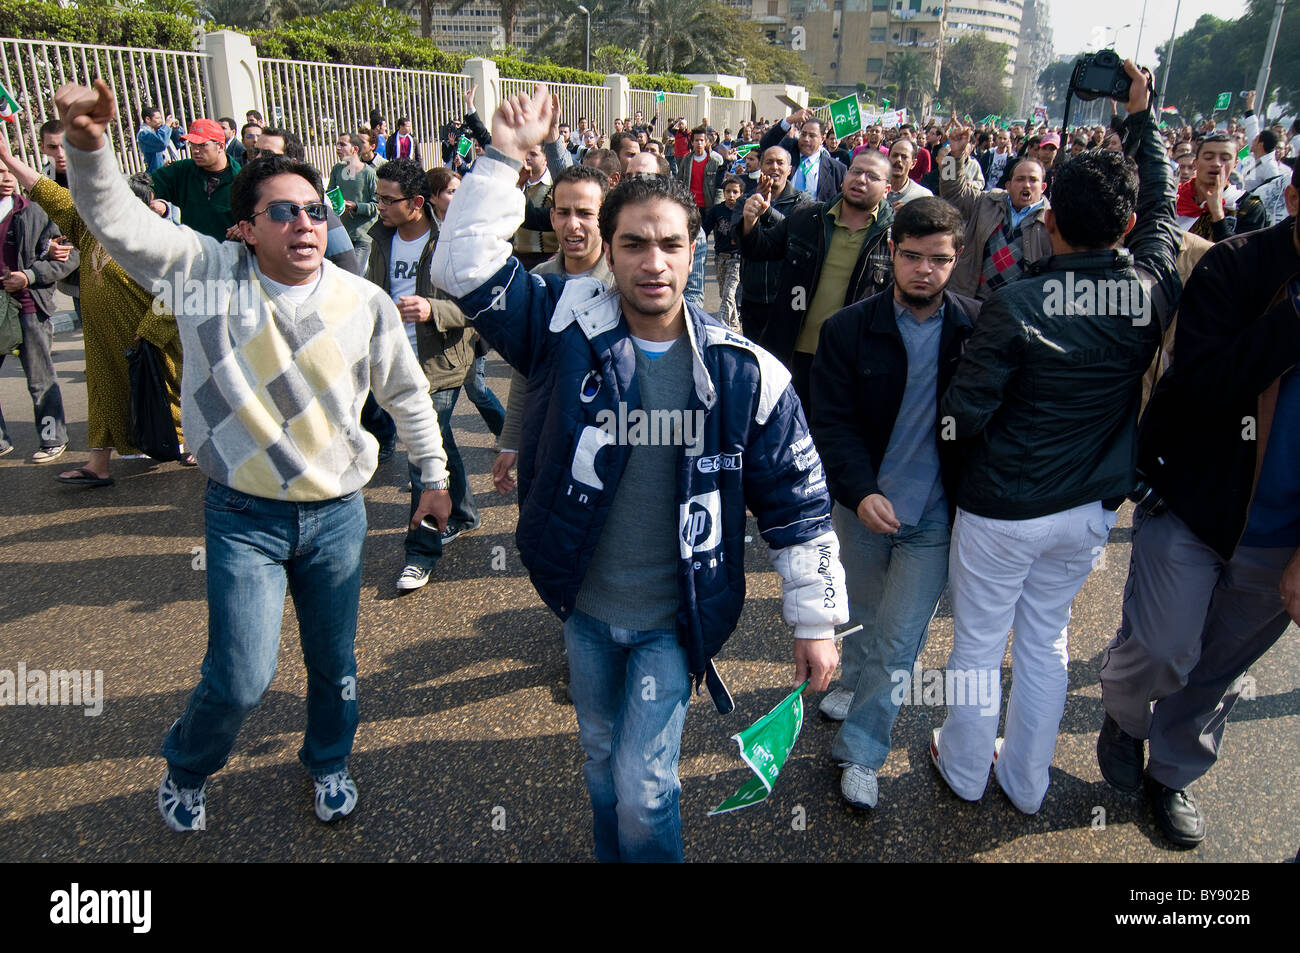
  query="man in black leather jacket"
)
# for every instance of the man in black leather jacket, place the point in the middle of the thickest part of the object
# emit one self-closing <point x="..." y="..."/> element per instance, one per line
<point x="1047" y="395"/>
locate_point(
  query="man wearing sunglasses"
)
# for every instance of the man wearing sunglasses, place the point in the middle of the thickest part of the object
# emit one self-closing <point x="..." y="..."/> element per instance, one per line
<point x="876" y="379"/>
<point x="281" y="350"/>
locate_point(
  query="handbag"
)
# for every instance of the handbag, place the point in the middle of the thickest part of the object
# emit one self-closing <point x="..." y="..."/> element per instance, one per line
<point x="150" y="424"/>
<point x="11" y="327"/>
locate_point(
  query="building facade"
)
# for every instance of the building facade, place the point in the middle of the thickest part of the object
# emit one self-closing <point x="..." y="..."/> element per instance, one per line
<point x="1035" y="54"/>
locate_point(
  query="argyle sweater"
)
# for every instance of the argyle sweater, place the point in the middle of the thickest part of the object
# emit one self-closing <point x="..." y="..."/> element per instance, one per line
<point x="272" y="394"/>
<point x="1004" y="255"/>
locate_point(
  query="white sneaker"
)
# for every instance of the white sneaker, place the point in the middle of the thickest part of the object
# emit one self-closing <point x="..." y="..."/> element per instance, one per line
<point x="182" y="809"/>
<point x="858" y="786"/>
<point x="336" y="796"/>
<point x="412" y="577"/>
<point x="835" y="705"/>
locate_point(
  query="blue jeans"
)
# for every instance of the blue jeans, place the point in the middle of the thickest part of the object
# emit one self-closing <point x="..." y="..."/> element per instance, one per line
<point x="695" y="283"/>
<point x="255" y="547"/>
<point x="424" y="546"/>
<point x="894" y="583"/>
<point x="630" y="691"/>
<point x="481" y="396"/>
<point x="36" y="353"/>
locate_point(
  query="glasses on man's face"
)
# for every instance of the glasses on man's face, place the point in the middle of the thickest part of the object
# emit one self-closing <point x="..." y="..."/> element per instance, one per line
<point x="869" y="175"/>
<point x="384" y="200"/>
<point x="285" y="212"/>
<point x="936" y="261"/>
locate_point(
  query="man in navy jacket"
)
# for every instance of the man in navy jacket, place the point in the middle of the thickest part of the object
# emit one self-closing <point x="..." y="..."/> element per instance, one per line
<point x="654" y="429"/>
<point x="813" y="170"/>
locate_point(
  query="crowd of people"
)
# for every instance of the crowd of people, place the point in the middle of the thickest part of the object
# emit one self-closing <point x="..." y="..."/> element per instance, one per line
<point x="944" y="357"/>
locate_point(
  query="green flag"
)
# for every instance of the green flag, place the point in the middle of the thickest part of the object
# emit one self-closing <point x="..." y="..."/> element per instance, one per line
<point x="845" y="116"/>
<point x="747" y="148"/>
<point x="464" y="147"/>
<point x="765" y="745"/>
<point x="1245" y="151"/>
<point x="9" y="108"/>
<point x="1223" y="100"/>
<point x="659" y="95"/>
<point x="884" y="103"/>
<point x="335" y="197"/>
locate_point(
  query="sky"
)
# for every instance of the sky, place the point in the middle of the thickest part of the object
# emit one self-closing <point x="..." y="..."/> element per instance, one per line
<point x="1075" y="24"/>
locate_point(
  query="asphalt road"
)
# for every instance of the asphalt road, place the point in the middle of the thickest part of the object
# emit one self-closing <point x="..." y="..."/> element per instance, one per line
<point x="468" y="748"/>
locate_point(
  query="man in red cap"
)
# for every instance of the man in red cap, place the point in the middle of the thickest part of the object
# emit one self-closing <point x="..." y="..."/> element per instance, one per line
<point x="200" y="186"/>
<point x="1048" y="149"/>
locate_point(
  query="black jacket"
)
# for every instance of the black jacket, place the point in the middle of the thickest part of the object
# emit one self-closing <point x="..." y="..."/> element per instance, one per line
<point x="761" y="280"/>
<point x="858" y="378"/>
<point x="1205" y="430"/>
<point x="830" y="177"/>
<point x="801" y="240"/>
<point x="1048" y="390"/>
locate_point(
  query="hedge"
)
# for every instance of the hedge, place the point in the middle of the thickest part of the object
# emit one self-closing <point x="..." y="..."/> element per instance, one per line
<point x="44" y="20"/>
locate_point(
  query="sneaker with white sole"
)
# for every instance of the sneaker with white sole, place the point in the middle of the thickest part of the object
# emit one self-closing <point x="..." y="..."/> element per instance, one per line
<point x="413" y="577"/>
<point x="859" y="786"/>
<point x="49" y="454"/>
<point x="336" y="796"/>
<point x="182" y="809"/>
<point x="836" y="704"/>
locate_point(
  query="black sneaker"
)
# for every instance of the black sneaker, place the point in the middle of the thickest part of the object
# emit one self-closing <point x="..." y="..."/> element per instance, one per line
<point x="452" y="531"/>
<point x="1177" y="814"/>
<point x="1121" y="757"/>
<point x="386" y="451"/>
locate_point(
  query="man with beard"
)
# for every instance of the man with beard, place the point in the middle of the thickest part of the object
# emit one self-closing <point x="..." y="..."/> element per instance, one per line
<point x="876" y="381"/>
<point x="834" y="254"/>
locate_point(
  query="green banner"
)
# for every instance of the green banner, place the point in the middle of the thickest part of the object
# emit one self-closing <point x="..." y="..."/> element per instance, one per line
<point x="1245" y="151"/>
<point x="1223" y="100"/>
<point x="845" y="116"/>
<point x="335" y="197"/>
<point x="464" y="147"/>
<point x="765" y="745"/>
<point x="747" y="148"/>
<point x="659" y="95"/>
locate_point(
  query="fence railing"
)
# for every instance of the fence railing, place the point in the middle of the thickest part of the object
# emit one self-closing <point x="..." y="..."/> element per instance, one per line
<point x="318" y="101"/>
<point x="175" y="82"/>
<point x="575" y="101"/>
<point x="729" y="113"/>
<point x="673" y="105"/>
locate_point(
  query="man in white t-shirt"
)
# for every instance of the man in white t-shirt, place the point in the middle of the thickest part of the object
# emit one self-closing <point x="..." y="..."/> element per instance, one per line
<point x="402" y="249"/>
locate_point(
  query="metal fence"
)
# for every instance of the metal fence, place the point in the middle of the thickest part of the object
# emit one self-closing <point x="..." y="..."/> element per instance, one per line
<point x="575" y="101"/>
<point x="674" y="105"/>
<point x="175" y="82"/>
<point x="318" y="101"/>
<point x="729" y="113"/>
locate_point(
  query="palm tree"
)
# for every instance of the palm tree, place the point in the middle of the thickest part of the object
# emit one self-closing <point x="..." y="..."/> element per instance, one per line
<point x="510" y="10"/>
<point x="914" y="75"/>
<point x="673" y="34"/>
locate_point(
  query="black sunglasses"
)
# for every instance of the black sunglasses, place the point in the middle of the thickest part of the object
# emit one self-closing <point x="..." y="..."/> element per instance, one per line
<point x="288" y="211"/>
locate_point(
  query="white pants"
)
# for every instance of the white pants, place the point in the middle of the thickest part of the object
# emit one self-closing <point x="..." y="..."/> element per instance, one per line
<point x="1021" y="573"/>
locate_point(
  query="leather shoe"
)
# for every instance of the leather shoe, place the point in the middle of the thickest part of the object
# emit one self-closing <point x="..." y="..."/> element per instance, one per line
<point x="1177" y="814"/>
<point x="1121" y="757"/>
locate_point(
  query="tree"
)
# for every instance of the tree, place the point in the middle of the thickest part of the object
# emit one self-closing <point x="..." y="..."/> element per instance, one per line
<point x="974" y="77"/>
<point x="1215" y="56"/>
<point x="1054" y="81"/>
<point x="363" y="19"/>
<point x="615" y="59"/>
<point x="913" y="73"/>
<point x="510" y="10"/>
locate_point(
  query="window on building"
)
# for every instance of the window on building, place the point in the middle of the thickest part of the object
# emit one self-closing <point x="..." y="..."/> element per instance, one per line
<point x="877" y="34"/>
<point x="772" y="7"/>
<point x="874" y="65"/>
<point x="879" y="4"/>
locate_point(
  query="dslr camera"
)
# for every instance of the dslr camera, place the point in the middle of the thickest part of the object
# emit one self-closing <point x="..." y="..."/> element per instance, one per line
<point x="1100" y="74"/>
